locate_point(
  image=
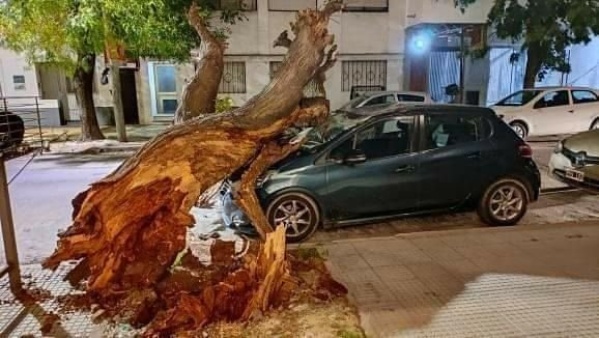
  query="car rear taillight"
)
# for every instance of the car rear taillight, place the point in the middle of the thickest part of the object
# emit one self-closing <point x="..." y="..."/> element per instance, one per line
<point x="525" y="150"/>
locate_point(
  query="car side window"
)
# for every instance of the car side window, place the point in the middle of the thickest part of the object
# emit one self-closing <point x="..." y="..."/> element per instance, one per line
<point x="449" y="130"/>
<point x="584" y="96"/>
<point x="387" y="137"/>
<point x="383" y="99"/>
<point x="409" y="98"/>
<point x="553" y="99"/>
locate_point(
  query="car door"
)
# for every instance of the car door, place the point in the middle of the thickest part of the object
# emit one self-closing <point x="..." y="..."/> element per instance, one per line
<point x="586" y="109"/>
<point x="553" y="113"/>
<point x="454" y="148"/>
<point x="385" y="183"/>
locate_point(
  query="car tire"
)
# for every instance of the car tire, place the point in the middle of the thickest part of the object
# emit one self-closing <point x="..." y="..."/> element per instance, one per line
<point x="298" y="212"/>
<point x="504" y="203"/>
<point x="520" y="128"/>
<point x="595" y="124"/>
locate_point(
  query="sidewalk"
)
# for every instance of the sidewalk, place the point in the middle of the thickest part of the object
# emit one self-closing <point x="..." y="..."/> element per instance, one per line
<point x="502" y="282"/>
<point x="64" y="139"/>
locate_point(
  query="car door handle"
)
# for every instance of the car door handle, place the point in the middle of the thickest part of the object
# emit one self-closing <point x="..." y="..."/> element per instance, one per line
<point x="571" y="111"/>
<point x="405" y="169"/>
<point x="473" y="156"/>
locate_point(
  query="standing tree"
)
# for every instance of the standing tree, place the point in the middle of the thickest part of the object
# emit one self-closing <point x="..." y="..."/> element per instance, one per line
<point x="546" y="29"/>
<point x="72" y="33"/>
<point x="129" y="228"/>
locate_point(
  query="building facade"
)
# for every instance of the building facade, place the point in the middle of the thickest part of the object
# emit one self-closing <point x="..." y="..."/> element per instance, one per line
<point x="394" y="44"/>
<point x="371" y="35"/>
<point x="18" y="78"/>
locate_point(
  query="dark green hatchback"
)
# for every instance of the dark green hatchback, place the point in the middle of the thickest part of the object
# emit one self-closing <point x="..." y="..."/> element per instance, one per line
<point x="396" y="162"/>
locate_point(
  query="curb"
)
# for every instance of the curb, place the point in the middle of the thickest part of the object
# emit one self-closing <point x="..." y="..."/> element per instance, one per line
<point x="549" y="191"/>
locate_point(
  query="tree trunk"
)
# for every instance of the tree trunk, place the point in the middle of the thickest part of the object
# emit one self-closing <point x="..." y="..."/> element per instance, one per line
<point x="199" y="95"/>
<point x="533" y="66"/>
<point x="130" y="226"/>
<point x="84" y="90"/>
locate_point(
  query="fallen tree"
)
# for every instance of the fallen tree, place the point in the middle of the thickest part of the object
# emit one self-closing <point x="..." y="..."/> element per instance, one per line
<point x="129" y="227"/>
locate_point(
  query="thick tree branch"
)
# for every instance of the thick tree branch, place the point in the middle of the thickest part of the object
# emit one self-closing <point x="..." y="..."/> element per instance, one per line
<point x="199" y="95"/>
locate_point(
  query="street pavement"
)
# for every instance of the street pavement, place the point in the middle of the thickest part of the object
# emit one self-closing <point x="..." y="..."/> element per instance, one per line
<point x="534" y="281"/>
<point x="41" y="197"/>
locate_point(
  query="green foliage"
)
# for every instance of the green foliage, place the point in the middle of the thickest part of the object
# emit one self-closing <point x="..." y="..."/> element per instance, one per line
<point x="545" y="27"/>
<point x="59" y="30"/>
<point x="223" y="104"/>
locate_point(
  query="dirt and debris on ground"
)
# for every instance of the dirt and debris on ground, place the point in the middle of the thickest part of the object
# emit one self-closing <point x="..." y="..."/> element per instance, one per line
<point x="317" y="307"/>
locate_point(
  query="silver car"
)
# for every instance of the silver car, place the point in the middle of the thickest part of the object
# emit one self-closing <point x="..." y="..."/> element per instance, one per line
<point x="575" y="161"/>
<point x="382" y="99"/>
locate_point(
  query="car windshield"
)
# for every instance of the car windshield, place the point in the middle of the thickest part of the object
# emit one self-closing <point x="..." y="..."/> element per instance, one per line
<point x="519" y="98"/>
<point x="336" y="126"/>
<point x="354" y="103"/>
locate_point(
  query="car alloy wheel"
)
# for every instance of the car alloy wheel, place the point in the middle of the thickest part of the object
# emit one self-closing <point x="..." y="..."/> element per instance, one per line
<point x="297" y="212"/>
<point x="520" y="129"/>
<point x="504" y="203"/>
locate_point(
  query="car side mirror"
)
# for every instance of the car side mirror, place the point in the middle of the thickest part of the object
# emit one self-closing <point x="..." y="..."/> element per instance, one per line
<point x="355" y="157"/>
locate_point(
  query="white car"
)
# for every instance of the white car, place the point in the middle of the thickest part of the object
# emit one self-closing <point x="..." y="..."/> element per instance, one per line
<point x="550" y="111"/>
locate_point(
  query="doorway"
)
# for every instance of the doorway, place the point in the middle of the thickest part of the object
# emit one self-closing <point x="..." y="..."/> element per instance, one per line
<point x="129" y="96"/>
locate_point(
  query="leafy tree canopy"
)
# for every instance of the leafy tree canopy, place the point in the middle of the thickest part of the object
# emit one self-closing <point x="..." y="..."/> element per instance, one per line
<point x="545" y="28"/>
<point x="58" y="30"/>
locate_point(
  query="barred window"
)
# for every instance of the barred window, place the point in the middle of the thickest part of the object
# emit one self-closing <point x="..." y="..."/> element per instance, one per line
<point x="290" y="5"/>
<point x="363" y="73"/>
<point x="233" y="80"/>
<point x="246" y="5"/>
<point x="311" y="88"/>
<point x="366" y="5"/>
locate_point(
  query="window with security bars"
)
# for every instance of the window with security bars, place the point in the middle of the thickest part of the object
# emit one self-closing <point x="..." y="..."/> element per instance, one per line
<point x="290" y="5"/>
<point x="363" y="73"/>
<point x="366" y="5"/>
<point x="233" y="80"/>
<point x="310" y="90"/>
<point x="245" y="5"/>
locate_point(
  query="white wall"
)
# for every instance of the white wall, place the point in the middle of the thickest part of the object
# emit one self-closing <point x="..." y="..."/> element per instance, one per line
<point x="444" y="11"/>
<point x="13" y="64"/>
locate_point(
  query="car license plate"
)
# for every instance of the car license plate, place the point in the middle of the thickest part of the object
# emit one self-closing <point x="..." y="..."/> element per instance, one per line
<point x="575" y="175"/>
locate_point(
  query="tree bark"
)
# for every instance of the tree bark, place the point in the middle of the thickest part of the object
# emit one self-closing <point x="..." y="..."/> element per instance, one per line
<point x="199" y="95"/>
<point x="84" y="90"/>
<point x="131" y="225"/>
<point x="533" y="66"/>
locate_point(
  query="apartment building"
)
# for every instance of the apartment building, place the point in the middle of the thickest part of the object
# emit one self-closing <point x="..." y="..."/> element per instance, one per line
<point x="371" y="35"/>
<point x="395" y="44"/>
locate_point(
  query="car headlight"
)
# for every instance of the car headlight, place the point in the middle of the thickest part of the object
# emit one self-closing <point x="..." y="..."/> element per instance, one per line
<point x="559" y="148"/>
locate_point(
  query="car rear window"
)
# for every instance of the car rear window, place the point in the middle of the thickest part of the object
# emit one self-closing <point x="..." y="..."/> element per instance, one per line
<point x="410" y="98"/>
<point x="584" y="96"/>
<point x="449" y="130"/>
